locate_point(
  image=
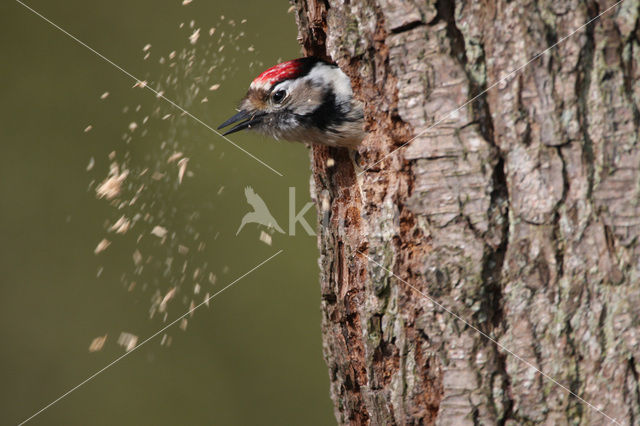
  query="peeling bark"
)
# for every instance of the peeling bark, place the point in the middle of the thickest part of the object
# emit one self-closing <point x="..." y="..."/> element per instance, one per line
<point x="520" y="212"/>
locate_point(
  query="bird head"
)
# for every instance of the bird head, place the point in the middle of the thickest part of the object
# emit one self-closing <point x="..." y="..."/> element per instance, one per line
<point x="306" y="100"/>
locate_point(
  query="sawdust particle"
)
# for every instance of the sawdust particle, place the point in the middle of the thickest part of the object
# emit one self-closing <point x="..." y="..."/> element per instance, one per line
<point x="97" y="343"/>
<point x="159" y="231"/>
<point x="265" y="238"/>
<point x="121" y="226"/>
<point x="102" y="246"/>
<point x="128" y="341"/>
<point x="193" y="38"/>
<point x="167" y="297"/>
<point x="182" y="164"/>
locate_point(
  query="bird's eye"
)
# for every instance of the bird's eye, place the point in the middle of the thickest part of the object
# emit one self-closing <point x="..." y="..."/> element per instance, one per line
<point x="278" y="96"/>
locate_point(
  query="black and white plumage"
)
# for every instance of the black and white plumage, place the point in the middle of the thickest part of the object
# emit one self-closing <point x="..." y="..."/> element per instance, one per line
<point x="305" y="100"/>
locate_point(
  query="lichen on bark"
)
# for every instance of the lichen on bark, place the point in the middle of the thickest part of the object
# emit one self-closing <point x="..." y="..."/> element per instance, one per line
<point x="518" y="212"/>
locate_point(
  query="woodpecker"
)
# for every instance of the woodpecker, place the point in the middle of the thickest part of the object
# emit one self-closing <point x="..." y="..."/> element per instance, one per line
<point x="305" y="100"/>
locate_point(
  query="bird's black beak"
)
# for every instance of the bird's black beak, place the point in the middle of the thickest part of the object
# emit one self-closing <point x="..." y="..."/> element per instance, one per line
<point x="250" y="120"/>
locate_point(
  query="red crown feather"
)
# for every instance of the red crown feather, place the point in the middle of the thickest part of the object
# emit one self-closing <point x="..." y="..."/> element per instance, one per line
<point x="280" y="72"/>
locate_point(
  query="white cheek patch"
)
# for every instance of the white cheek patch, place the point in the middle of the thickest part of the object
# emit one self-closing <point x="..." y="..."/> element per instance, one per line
<point x="341" y="84"/>
<point x="300" y="99"/>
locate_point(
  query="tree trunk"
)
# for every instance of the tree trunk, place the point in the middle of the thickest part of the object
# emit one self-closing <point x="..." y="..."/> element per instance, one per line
<point x="519" y="213"/>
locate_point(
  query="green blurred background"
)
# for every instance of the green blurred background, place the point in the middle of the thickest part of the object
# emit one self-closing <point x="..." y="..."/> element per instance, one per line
<point x="255" y="355"/>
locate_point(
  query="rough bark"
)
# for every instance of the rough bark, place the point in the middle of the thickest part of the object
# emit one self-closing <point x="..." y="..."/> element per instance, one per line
<point x="520" y="212"/>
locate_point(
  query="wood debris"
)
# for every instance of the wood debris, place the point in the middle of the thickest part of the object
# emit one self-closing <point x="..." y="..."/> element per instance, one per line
<point x="137" y="257"/>
<point x="265" y="238"/>
<point x="97" y="343"/>
<point x="123" y="186"/>
<point x="128" y="341"/>
<point x="183" y="167"/>
<point x="102" y="246"/>
<point x="167" y="297"/>
<point x="175" y="156"/>
<point x="193" y="38"/>
<point x="110" y="188"/>
<point x="166" y="340"/>
<point x="159" y="231"/>
<point x="121" y="226"/>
